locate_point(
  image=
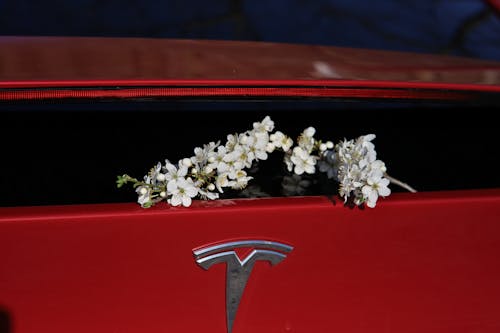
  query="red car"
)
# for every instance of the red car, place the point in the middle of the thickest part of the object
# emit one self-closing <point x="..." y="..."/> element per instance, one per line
<point x="79" y="255"/>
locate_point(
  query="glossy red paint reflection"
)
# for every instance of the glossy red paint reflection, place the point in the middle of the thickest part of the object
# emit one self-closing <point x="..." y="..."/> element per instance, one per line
<point x="426" y="262"/>
<point x="74" y="61"/>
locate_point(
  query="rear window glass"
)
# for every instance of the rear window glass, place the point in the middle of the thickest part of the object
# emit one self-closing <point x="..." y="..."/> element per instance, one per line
<point x="71" y="152"/>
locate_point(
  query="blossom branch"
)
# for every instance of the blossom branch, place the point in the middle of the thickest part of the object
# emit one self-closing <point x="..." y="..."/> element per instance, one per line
<point x="400" y="183"/>
<point x="215" y="166"/>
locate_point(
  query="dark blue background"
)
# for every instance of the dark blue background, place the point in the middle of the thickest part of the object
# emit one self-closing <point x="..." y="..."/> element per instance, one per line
<point x="461" y="27"/>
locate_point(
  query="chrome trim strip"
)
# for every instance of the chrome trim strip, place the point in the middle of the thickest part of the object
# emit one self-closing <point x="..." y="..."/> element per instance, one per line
<point x="260" y="244"/>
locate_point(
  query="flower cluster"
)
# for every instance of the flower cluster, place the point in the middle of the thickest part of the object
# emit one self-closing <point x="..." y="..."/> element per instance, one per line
<point x="212" y="168"/>
<point x="215" y="166"/>
<point x="354" y="165"/>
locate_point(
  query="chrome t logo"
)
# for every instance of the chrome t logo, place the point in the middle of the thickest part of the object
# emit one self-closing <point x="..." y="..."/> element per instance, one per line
<point x="238" y="271"/>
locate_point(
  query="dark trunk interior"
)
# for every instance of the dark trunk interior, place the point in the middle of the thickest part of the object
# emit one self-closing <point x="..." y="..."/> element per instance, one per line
<point x="70" y="152"/>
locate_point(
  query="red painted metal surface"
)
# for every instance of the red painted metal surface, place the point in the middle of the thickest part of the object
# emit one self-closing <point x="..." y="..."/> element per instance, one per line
<point x="57" y="68"/>
<point x="423" y="262"/>
<point x="110" y="61"/>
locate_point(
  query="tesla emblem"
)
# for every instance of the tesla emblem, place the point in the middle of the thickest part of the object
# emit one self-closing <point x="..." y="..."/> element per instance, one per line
<point x="237" y="270"/>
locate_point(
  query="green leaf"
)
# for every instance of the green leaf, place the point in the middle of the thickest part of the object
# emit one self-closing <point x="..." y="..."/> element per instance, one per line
<point x="120" y="181"/>
<point x="147" y="204"/>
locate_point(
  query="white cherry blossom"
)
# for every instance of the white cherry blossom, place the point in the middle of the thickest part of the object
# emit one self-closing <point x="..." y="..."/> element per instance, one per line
<point x="173" y="173"/>
<point x="374" y="188"/>
<point x="280" y="140"/>
<point x="303" y="162"/>
<point x="182" y="190"/>
<point x="266" y="125"/>
<point x="240" y="180"/>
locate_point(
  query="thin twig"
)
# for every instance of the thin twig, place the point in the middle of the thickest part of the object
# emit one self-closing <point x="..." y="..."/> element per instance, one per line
<point x="400" y="183"/>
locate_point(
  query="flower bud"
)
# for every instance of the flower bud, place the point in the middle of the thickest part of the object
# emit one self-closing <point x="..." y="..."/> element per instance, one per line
<point x="211" y="159"/>
<point x="143" y="191"/>
<point x="329" y="144"/>
<point x="322" y="147"/>
<point x="163" y="194"/>
<point x="211" y="187"/>
<point x="208" y="169"/>
<point x="161" y="177"/>
<point x="187" y="162"/>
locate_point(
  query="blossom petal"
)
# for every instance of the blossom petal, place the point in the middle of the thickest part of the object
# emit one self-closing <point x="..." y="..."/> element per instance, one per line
<point x="171" y="168"/>
<point x="371" y="204"/>
<point x="299" y="170"/>
<point x="186" y="201"/>
<point x="176" y="200"/>
<point x="384" y="182"/>
<point x="182" y="171"/>
<point x="367" y="190"/>
<point x="171" y="186"/>
<point x="384" y="191"/>
<point x="373" y="196"/>
<point x="191" y="191"/>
